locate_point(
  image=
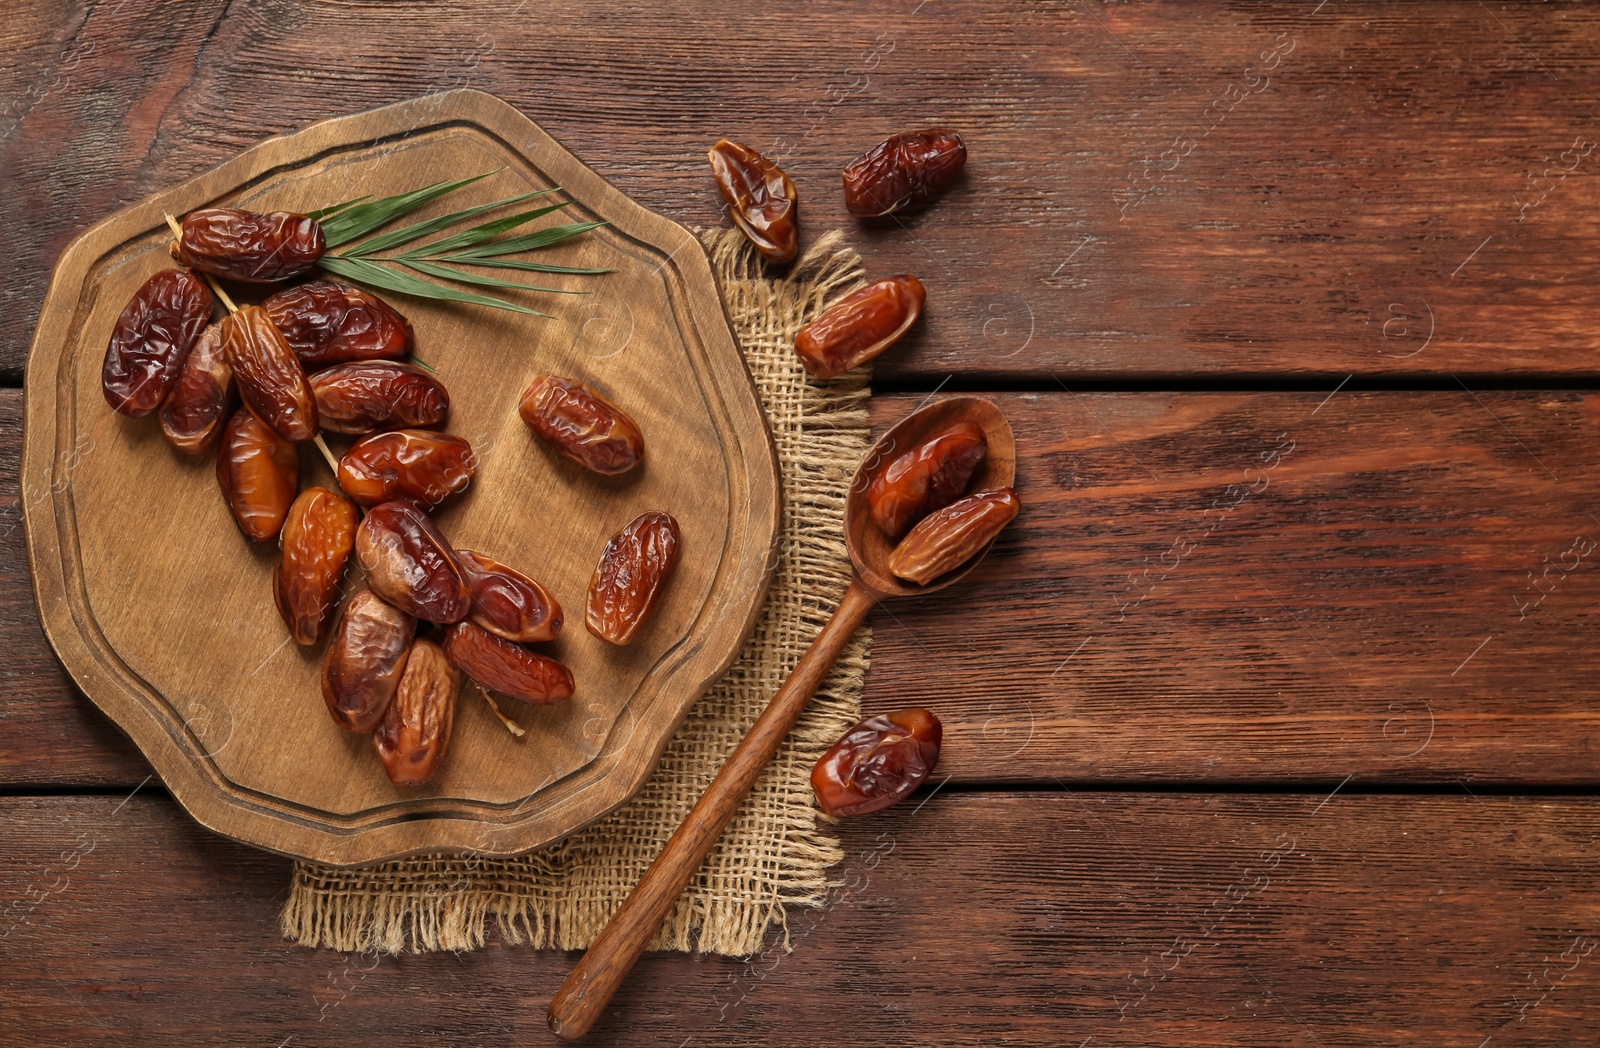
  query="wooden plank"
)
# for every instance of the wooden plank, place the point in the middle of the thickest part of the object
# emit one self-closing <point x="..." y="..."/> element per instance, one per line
<point x="1364" y="606"/>
<point x="1269" y="586"/>
<point x="1047" y="918"/>
<point x="1155" y="190"/>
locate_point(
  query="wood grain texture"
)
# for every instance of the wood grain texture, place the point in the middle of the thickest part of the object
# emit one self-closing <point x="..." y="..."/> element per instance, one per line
<point x="1330" y="624"/>
<point x="1143" y="198"/>
<point x="1272" y="586"/>
<point x="128" y="535"/>
<point x="980" y="918"/>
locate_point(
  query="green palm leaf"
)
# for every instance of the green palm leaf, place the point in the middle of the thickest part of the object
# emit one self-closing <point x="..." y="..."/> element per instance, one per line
<point x="367" y="272"/>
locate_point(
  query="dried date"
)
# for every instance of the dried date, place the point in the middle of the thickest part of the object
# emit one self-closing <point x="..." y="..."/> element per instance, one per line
<point x="507" y="603"/>
<point x="761" y="199"/>
<point x="582" y="425"/>
<point x="193" y="413"/>
<point x="416" y="465"/>
<point x="904" y="171"/>
<point x="269" y="376"/>
<point x="365" y="661"/>
<point x="370" y="395"/>
<point x="254" y="247"/>
<point x="860" y="326"/>
<point x="948" y="538"/>
<point x="878" y="762"/>
<point x="153" y="334"/>
<point x="506" y="668"/>
<point x="928" y="477"/>
<point x="409" y="564"/>
<point x="316" y="541"/>
<point x="628" y="580"/>
<point x="326" y="322"/>
<point x="415" y="731"/>
<point x="259" y="473"/>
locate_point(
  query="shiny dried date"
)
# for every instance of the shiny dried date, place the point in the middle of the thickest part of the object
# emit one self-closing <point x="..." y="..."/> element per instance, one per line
<point x="507" y="603"/>
<point x="628" y="580"/>
<point x="193" y="413"/>
<point x="416" y="465"/>
<point x="410" y="565"/>
<point x="153" y="334"/>
<point x="904" y="171"/>
<point x="860" y="326"/>
<point x="582" y="425"/>
<point x="259" y="473"/>
<point x="365" y="661"/>
<point x="316" y="541"/>
<point x="948" y="538"/>
<point x="326" y="322"/>
<point x="928" y="477"/>
<point x="269" y="376"/>
<point x="878" y="762"/>
<point x="370" y="395"/>
<point x="761" y="199"/>
<point x="415" y="731"/>
<point x="254" y="247"/>
<point x="506" y="668"/>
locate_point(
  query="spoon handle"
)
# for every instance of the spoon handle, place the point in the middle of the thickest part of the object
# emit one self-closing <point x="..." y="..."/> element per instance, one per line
<point x="580" y="1000"/>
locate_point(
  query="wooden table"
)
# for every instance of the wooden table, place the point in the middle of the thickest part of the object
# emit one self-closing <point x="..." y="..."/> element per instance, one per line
<point x="1273" y="719"/>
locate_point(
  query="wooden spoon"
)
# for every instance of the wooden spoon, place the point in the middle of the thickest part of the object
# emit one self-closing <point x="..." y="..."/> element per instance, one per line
<point x="580" y="1000"/>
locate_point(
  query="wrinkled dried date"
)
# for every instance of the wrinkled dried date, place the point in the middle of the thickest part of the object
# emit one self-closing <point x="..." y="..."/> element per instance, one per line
<point x="632" y="569"/>
<point x="507" y="603"/>
<point x="506" y="668"/>
<point x="365" y="661"/>
<point x="761" y="199"/>
<point x="370" y="395"/>
<point x="193" y="413"/>
<point x="326" y="322"/>
<point x="269" y="376"/>
<point x="152" y="336"/>
<point x="928" y="477"/>
<point x="316" y="541"/>
<point x="259" y="473"/>
<point x="904" y="171"/>
<point x="410" y="565"/>
<point x="416" y="465"/>
<point x="582" y="425"/>
<point x="415" y="732"/>
<point x="250" y="246"/>
<point x="860" y="326"/>
<point x="948" y="538"/>
<point x="878" y="762"/>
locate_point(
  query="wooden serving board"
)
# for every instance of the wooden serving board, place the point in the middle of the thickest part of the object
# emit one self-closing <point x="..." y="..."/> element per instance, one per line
<point x="163" y="613"/>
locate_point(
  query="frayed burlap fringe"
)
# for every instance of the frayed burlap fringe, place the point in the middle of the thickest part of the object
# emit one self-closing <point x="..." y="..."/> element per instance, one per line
<point x="773" y="855"/>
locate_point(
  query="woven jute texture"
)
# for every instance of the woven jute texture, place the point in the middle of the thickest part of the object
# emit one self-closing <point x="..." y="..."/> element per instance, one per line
<point x="773" y="855"/>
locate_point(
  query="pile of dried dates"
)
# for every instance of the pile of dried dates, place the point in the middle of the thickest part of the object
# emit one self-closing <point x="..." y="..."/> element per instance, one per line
<point x="904" y="172"/>
<point x="919" y="500"/>
<point x="325" y="357"/>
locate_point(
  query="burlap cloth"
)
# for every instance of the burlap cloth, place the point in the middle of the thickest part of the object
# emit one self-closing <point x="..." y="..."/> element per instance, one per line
<point x="773" y="855"/>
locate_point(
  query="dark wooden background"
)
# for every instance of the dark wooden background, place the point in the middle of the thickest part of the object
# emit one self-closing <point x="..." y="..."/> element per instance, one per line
<point x="1272" y="720"/>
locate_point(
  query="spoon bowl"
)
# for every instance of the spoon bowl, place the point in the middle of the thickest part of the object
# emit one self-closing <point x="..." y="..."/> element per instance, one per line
<point x="869" y="547"/>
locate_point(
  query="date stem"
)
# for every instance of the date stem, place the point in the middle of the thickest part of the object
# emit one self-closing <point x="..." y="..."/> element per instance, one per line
<point x="322" y="446"/>
<point x="512" y="726"/>
<point x="222" y="296"/>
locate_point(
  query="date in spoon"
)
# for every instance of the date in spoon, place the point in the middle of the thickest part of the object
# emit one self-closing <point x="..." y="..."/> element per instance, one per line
<point x="589" y="987"/>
